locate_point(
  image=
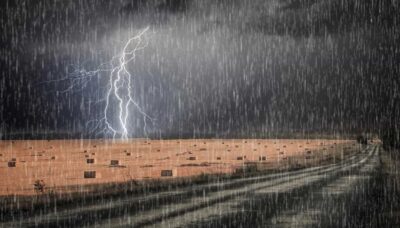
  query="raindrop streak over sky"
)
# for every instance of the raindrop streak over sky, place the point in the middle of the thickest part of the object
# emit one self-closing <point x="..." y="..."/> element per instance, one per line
<point x="224" y="68"/>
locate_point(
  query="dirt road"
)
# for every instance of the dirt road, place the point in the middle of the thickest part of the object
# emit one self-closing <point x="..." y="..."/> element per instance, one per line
<point x="299" y="198"/>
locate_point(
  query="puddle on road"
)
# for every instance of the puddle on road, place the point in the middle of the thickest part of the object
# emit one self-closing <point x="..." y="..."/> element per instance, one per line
<point x="342" y="185"/>
<point x="295" y="219"/>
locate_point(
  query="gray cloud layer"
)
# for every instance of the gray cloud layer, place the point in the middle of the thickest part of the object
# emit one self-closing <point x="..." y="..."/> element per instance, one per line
<point x="222" y="67"/>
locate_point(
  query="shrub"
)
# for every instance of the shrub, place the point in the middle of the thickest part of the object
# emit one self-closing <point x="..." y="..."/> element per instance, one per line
<point x="39" y="186"/>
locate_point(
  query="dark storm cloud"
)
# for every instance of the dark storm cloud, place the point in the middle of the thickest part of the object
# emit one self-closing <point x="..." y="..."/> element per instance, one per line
<point x="310" y="17"/>
<point x="224" y="67"/>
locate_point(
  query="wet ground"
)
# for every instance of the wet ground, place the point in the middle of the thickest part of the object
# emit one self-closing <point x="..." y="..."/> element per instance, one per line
<point x="357" y="192"/>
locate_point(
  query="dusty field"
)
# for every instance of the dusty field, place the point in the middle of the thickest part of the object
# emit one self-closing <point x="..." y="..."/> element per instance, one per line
<point x="62" y="163"/>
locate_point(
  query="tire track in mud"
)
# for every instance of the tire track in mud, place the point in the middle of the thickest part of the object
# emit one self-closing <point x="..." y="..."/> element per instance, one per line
<point x="215" y="204"/>
<point x="158" y="207"/>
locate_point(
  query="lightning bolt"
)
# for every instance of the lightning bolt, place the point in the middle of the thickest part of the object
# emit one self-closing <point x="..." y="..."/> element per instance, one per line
<point x="119" y="88"/>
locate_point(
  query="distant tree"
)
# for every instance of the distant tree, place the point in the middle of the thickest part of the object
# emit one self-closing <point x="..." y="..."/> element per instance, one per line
<point x="390" y="137"/>
<point x="390" y="126"/>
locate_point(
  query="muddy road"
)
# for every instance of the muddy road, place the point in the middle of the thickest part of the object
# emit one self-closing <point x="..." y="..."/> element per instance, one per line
<point x="320" y="196"/>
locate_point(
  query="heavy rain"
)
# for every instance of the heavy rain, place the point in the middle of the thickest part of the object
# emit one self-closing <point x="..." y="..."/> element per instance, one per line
<point x="211" y="113"/>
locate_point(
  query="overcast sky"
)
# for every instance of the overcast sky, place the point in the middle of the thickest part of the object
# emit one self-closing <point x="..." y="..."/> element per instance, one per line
<point x="217" y="67"/>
